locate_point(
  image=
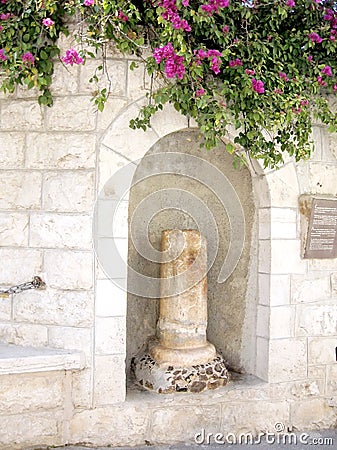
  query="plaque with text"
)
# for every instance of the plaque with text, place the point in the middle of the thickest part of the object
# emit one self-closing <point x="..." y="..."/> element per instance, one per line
<point x="321" y="239"/>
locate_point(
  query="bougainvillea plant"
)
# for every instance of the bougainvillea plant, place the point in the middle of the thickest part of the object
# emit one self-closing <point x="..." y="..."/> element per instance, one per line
<point x="266" y="67"/>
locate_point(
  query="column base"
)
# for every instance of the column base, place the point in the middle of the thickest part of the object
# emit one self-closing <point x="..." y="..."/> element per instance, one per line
<point x="168" y="379"/>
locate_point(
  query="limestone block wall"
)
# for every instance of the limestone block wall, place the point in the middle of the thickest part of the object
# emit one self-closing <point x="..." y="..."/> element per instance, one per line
<point x="53" y="163"/>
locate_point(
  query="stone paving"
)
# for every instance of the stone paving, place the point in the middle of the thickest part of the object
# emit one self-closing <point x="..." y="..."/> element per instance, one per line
<point x="323" y="440"/>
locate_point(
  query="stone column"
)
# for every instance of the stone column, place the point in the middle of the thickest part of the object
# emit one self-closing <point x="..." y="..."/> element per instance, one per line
<point x="182" y="324"/>
<point x="181" y="358"/>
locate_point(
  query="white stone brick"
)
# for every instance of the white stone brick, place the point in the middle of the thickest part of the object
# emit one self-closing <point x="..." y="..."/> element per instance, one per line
<point x="274" y="290"/>
<point x="316" y="372"/>
<point x="262" y="358"/>
<point x="110" y="299"/>
<point x="287" y="360"/>
<point x="331" y="379"/>
<point x="262" y="323"/>
<point x="70" y="338"/>
<point x="64" y="42"/>
<point x="283" y="186"/>
<point x="322" y="178"/>
<point x="264" y="223"/>
<point x="5" y="308"/>
<point x="283" y="230"/>
<point x="334" y="284"/>
<point x="112" y="218"/>
<point x="322" y="350"/>
<point x="168" y="120"/>
<point x="110" y="380"/>
<point x="110" y="335"/>
<point x="112" y="109"/>
<point x="114" y="77"/>
<point x="139" y="82"/>
<point x="251" y="417"/>
<point x="264" y="256"/>
<point x="322" y="264"/>
<point x="111" y="423"/>
<point x="13" y="229"/>
<point x="285" y="257"/>
<point x="71" y="114"/>
<point x="24" y="334"/>
<point x="282" y="320"/>
<point x="330" y="146"/>
<point x="112" y="257"/>
<point x="82" y="388"/>
<point x="165" y="420"/>
<point x="20" y="190"/>
<point x="316" y="320"/>
<point x="68" y="269"/>
<point x="55" y="307"/>
<point x="109" y="163"/>
<point x="19" y="265"/>
<point x="31" y="392"/>
<point x="313" y="414"/>
<point x="29" y="429"/>
<point x="12" y="153"/>
<point x="68" y="191"/>
<point x="65" y="79"/>
<point x="133" y="144"/>
<point x="60" y="151"/>
<point x="21" y="115"/>
<point x="310" y="288"/>
<point x="60" y="231"/>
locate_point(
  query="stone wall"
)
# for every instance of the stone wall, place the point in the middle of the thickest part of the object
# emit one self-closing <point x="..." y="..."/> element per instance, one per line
<point x="53" y="163"/>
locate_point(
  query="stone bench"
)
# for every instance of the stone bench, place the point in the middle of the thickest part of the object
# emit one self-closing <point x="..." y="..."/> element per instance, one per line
<point x="16" y="359"/>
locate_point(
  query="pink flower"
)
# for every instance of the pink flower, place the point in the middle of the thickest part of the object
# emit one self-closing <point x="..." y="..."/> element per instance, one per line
<point x="315" y="38"/>
<point x="250" y="72"/>
<point x="185" y="2"/>
<point x="200" y="92"/>
<point x="310" y="58"/>
<point x="278" y="91"/>
<point x="290" y="3"/>
<point x="283" y="76"/>
<point x="174" y="64"/>
<point x="28" y="58"/>
<point x="72" y="57"/>
<point x="3" y="56"/>
<point x="225" y="29"/>
<point x="335" y="87"/>
<point x="258" y="86"/>
<point x="48" y="22"/>
<point x="327" y="71"/>
<point x="304" y="102"/>
<point x="4" y="1"/>
<point x="171" y="14"/>
<point x="88" y="2"/>
<point x="122" y="16"/>
<point x="1" y="28"/>
<point x="214" y="5"/>
<point x="236" y="62"/>
<point x="5" y="16"/>
<point x="321" y="81"/>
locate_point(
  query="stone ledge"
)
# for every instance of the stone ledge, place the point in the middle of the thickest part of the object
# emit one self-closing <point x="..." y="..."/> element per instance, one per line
<point x="16" y="359"/>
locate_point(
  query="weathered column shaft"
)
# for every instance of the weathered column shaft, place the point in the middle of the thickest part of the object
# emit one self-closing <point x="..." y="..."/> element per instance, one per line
<point x="182" y="323"/>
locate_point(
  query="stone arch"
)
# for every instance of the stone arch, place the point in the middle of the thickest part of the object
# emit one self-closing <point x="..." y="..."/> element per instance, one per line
<point x="275" y="193"/>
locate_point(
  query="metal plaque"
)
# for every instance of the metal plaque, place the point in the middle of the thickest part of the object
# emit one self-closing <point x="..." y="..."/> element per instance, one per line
<point x="321" y="239"/>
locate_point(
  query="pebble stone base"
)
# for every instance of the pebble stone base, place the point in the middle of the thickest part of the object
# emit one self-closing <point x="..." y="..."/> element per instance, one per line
<point x="169" y="379"/>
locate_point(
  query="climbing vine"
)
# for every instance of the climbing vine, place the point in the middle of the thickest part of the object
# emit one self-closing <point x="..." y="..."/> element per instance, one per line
<point x="268" y="68"/>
